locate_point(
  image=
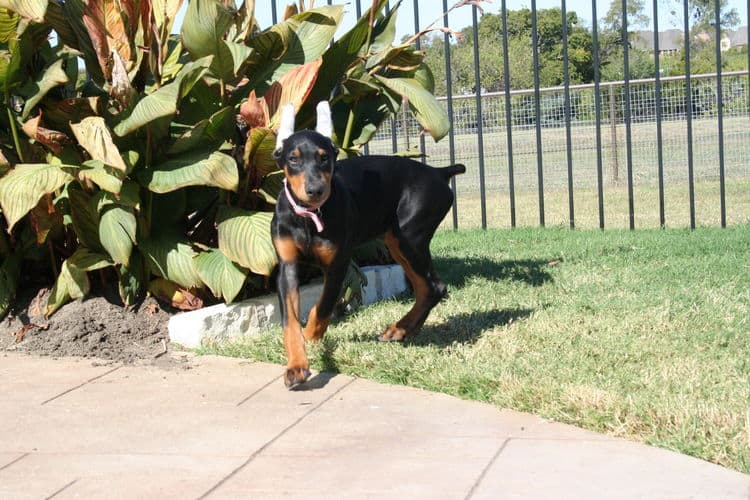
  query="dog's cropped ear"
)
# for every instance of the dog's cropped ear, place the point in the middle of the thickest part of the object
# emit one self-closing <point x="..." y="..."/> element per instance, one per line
<point x="324" y="125"/>
<point x="285" y="129"/>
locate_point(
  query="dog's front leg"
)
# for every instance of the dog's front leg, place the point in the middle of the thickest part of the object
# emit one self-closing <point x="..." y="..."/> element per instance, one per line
<point x="320" y="314"/>
<point x="297" y="365"/>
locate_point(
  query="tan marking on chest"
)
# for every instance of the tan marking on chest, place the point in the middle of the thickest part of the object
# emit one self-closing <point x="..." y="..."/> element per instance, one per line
<point x="287" y="249"/>
<point x="325" y="253"/>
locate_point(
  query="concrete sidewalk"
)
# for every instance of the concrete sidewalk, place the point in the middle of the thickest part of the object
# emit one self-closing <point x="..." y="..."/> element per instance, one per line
<point x="223" y="428"/>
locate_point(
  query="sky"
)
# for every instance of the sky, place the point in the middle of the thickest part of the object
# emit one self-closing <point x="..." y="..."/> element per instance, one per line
<point x="430" y="10"/>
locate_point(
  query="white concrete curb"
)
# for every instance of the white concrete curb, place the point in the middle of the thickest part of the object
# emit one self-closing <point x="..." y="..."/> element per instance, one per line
<point x="222" y="322"/>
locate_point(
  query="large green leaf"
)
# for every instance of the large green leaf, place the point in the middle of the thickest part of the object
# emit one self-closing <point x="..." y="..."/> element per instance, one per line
<point x="212" y="130"/>
<point x="427" y="109"/>
<point x="53" y="76"/>
<point x="223" y="277"/>
<point x="117" y="232"/>
<point x="164" y="102"/>
<point x="84" y="217"/>
<point x="23" y="187"/>
<point x="271" y="186"/>
<point x="171" y="257"/>
<point x="342" y="53"/>
<point x="100" y="174"/>
<point x="203" y="29"/>
<point x="72" y="282"/>
<point x="94" y="136"/>
<point x="22" y="49"/>
<point x="298" y="40"/>
<point x="8" y="26"/>
<point x="371" y="109"/>
<point x="384" y="31"/>
<point x="202" y="169"/>
<point x="245" y="237"/>
<point x="29" y="9"/>
<point x="132" y="280"/>
<point x="259" y="148"/>
<point x="129" y="196"/>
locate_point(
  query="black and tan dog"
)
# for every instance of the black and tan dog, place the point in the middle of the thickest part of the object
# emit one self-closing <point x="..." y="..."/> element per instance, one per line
<point x="327" y="208"/>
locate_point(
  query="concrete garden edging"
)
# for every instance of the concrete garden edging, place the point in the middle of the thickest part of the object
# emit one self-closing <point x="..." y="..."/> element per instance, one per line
<point x="222" y="322"/>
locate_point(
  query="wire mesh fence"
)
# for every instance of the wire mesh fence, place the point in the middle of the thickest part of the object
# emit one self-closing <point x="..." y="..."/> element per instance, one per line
<point x="674" y="103"/>
<point x="404" y="132"/>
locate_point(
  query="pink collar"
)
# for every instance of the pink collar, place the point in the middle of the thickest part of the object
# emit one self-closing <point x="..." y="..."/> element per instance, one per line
<point x="304" y="212"/>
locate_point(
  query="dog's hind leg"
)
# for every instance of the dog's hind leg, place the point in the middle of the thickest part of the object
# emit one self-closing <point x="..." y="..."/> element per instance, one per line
<point x="428" y="289"/>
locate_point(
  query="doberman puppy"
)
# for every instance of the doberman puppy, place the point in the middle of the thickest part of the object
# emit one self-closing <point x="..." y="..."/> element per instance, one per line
<point x="327" y="208"/>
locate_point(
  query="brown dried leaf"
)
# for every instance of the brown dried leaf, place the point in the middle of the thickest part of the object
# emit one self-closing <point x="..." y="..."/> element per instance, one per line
<point x="37" y="308"/>
<point x="20" y="334"/>
<point x="173" y="294"/>
<point x="94" y="19"/>
<point x="44" y="217"/>
<point x="290" y="11"/>
<point x="53" y="139"/>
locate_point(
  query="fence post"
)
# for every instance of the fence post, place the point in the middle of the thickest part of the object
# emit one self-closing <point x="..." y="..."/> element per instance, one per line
<point x="613" y="134"/>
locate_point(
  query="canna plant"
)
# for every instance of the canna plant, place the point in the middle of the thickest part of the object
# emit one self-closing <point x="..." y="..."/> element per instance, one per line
<point x="146" y="156"/>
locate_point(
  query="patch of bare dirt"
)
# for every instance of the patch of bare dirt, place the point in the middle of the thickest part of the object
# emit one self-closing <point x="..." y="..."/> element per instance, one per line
<point x="94" y="327"/>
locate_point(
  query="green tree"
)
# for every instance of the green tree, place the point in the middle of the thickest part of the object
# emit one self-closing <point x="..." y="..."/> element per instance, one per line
<point x="490" y="32"/>
<point x="640" y="63"/>
<point x="702" y="16"/>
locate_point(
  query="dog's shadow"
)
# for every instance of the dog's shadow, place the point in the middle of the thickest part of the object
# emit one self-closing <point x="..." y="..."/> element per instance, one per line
<point x="464" y="328"/>
<point x="319" y="380"/>
<point x="456" y="271"/>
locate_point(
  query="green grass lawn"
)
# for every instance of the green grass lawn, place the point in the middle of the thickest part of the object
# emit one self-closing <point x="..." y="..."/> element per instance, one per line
<point x="644" y="335"/>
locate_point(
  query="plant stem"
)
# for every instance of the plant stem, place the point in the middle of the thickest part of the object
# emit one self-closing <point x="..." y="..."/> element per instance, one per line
<point x="349" y="127"/>
<point x="369" y="25"/>
<point x="150" y="199"/>
<point x="14" y="130"/>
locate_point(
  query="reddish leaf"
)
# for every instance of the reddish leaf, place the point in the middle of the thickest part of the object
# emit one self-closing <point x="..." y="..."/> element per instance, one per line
<point x="254" y="111"/>
<point x="93" y="18"/>
<point x="293" y="87"/>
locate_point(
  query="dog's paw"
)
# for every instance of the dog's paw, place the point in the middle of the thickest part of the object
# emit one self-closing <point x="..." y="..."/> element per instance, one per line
<point x="393" y="334"/>
<point x="295" y="376"/>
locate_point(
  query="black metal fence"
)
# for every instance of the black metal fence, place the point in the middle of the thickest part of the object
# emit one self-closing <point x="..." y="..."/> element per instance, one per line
<point x="661" y="151"/>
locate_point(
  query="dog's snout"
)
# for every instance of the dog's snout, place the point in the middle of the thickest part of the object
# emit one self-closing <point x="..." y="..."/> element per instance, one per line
<point x="314" y="191"/>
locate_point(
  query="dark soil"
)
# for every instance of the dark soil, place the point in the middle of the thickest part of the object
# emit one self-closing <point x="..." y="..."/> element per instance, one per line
<point x="95" y="327"/>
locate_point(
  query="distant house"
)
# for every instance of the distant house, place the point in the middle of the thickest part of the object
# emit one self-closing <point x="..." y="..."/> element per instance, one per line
<point x="738" y="37"/>
<point x="670" y="41"/>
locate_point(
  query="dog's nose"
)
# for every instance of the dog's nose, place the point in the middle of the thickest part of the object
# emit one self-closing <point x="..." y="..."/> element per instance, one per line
<point x="314" y="191"/>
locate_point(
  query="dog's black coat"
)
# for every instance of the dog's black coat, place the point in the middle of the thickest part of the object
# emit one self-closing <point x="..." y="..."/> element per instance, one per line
<point x="360" y="199"/>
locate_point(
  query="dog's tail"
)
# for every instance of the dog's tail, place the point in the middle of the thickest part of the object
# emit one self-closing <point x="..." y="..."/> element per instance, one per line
<point x="449" y="172"/>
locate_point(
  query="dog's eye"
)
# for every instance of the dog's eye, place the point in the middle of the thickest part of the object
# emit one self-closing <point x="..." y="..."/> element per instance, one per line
<point x="293" y="160"/>
<point x="324" y="157"/>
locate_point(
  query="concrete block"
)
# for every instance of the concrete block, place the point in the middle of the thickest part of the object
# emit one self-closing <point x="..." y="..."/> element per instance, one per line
<point x="383" y="282"/>
<point x="222" y="322"/>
